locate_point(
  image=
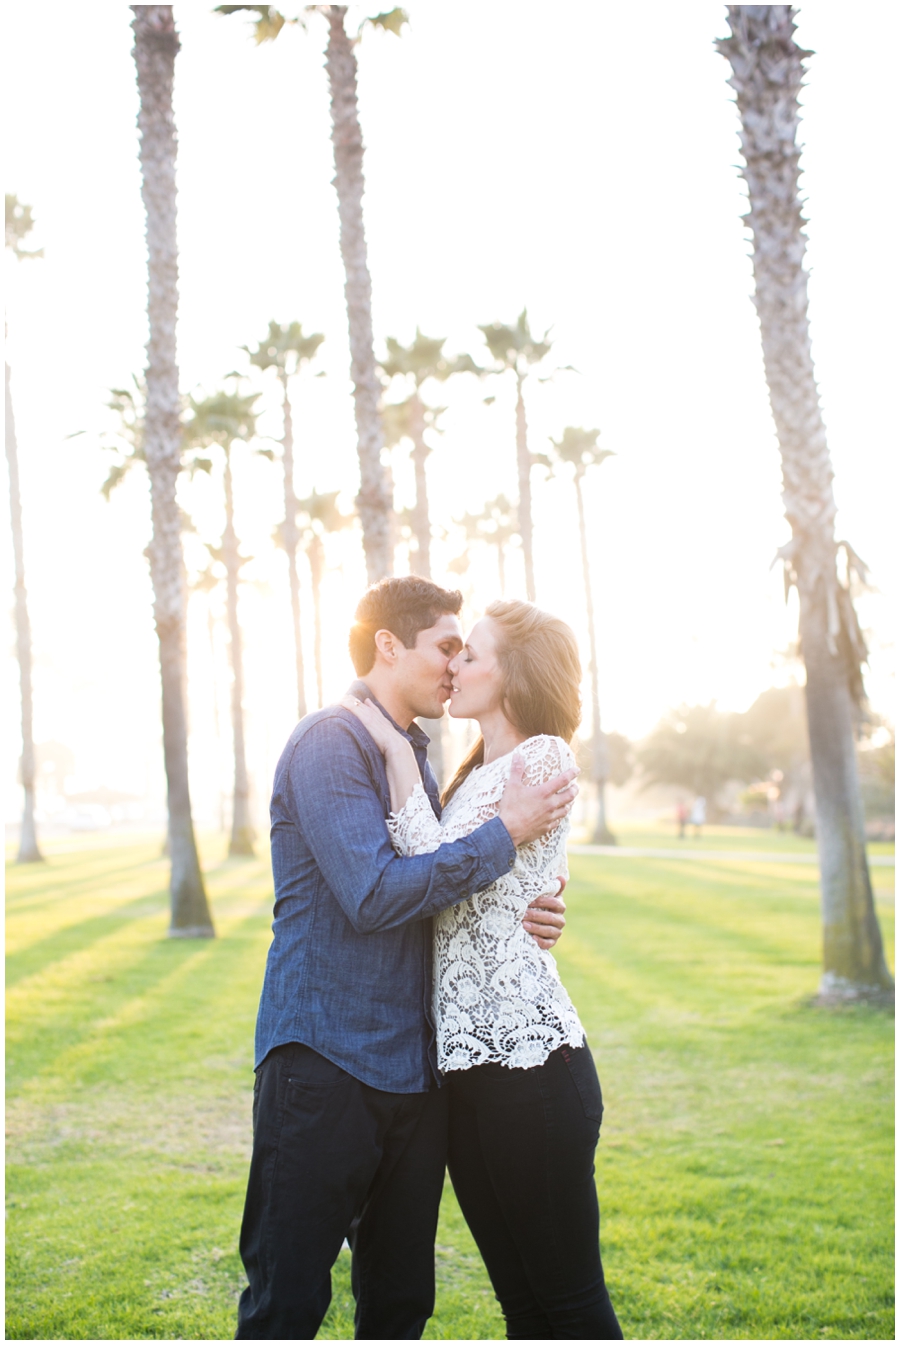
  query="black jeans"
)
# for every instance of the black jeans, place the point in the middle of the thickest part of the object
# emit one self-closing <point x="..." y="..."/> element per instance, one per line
<point x="334" y="1158"/>
<point x="522" y="1147"/>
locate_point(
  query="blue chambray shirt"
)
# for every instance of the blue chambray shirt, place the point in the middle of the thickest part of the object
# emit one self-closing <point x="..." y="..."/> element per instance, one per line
<point x="349" y="967"/>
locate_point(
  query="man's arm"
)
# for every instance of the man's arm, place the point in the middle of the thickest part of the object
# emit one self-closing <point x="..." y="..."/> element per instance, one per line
<point x="341" y="817"/>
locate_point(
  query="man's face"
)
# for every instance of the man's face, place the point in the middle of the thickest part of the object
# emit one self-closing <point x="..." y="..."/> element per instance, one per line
<point x="422" y="677"/>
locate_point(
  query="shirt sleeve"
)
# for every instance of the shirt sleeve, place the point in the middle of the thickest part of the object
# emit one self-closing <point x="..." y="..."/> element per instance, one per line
<point x="340" y="814"/>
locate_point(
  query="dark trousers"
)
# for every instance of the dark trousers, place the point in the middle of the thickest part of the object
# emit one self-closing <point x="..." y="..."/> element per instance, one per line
<point x="334" y="1158"/>
<point x="521" y="1159"/>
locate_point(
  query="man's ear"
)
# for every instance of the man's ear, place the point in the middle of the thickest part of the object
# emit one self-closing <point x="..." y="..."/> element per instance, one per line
<point x="386" y="644"/>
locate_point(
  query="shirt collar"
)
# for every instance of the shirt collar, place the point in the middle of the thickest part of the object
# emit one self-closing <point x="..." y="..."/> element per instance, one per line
<point x="414" y="734"/>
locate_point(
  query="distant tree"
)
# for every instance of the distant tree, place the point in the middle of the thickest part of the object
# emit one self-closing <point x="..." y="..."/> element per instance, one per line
<point x="219" y="421"/>
<point x="286" y="350"/>
<point x="620" y="751"/>
<point x="497" y="525"/>
<point x="412" y="417"/>
<point x="775" y="725"/>
<point x="578" y="450"/>
<point x="877" y="771"/>
<point x="767" y="74"/>
<point x="515" y="350"/>
<point x="699" y="748"/>
<point x="155" y="47"/>
<point x="19" y="223"/>
<point x="375" y="502"/>
<point x="318" y="516"/>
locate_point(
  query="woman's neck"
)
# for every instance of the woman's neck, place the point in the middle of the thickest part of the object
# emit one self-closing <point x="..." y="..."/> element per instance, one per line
<point x="500" y="736"/>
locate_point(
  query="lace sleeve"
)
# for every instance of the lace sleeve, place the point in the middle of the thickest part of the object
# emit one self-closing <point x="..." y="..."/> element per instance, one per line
<point x="545" y="757"/>
<point x="415" y="830"/>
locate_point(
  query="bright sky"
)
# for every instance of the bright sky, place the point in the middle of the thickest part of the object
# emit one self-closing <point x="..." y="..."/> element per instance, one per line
<point x="579" y="160"/>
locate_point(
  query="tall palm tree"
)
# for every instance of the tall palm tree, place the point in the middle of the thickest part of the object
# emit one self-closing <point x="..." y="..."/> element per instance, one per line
<point x="497" y="524"/>
<point x="206" y="582"/>
<point x="219" y="421"/>
<point x="375" y="499"/>
<point x="515" y="349"/>
<point x="319" y="516"/>
<point x="767" y="69"/>
<point x="155" y="47"/>
<point x="411" y="366"/>
<point x="19" y="223"/>
<point x="578" y="448"/>
<point x="286" y="350"/>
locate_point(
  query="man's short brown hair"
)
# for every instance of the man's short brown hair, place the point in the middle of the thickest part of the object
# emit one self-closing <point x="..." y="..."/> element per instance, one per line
<point x="404" y="607"/>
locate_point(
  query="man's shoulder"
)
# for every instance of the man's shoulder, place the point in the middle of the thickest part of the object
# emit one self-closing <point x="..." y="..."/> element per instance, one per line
<point x="332" y="728"/>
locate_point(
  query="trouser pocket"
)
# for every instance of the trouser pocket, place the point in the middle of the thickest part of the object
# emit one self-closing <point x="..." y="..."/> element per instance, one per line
<point x="581" y="1067"/>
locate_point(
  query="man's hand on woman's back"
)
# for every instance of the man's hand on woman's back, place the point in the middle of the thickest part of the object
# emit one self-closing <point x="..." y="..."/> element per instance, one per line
<point x="530" y="811"/>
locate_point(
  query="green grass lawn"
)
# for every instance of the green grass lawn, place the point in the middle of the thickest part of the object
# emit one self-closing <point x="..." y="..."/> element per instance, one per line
<point x="663" y="835"/>
<point x="745" y="1169"/>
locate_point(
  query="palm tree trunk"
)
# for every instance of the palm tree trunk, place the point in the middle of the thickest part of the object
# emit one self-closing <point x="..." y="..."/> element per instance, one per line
<point x="316" y="554"/>
<point x="374" y="501"/>
<point x="241" y="842"/>
<point x="599" y="751"/>
<point x="291" y="539"/>
<point x="767" y="74"/>
<point x="214" y="689"/>
<point x="434" y="728"/>
<point x="28" y="846"/>
<point x="421" y="512"/>
<point x="155" y="47"/>
<point x="523" y="459"/>
<point x="501" y="569"/>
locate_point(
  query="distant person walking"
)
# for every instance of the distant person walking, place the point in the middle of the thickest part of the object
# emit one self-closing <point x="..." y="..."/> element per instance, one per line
<point x="681" y="817"/>
<point x="698" y="815"/>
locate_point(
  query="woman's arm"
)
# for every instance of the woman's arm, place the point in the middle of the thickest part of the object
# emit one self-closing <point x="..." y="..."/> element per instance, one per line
<point x="399" y="759"/>
<point x="402" y="771"/>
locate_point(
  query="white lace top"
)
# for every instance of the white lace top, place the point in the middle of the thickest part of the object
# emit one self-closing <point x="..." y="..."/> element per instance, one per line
<point x="497" y="995"/>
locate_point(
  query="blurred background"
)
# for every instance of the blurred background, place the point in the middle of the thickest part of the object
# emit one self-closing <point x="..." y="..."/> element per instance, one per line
<point x="565" y="165"/>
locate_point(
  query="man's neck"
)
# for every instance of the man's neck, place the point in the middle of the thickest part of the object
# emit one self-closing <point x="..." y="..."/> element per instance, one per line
<point x="387" y="697"/>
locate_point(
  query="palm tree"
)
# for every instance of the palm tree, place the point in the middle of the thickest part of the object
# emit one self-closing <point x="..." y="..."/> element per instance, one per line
<point x="578" y="448"/>
<point x="767" y="75"/>
<point x="155" y="47"/>
<point x="375" y="500"/>
<point x="411" y="366"/>
<point x="286" y="350"/>
<point x="206" y="582"/>
<point x="320" y="516"/>
<point x="515" y="349"/>
<point x="218" y="421"/>
<point x="497" y="524"/>
<point x="19" y="224"/>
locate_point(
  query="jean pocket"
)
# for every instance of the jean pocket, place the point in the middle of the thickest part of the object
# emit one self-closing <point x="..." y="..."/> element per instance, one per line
<point x="309" y="1070"/>
<point x="583" y="1071"/>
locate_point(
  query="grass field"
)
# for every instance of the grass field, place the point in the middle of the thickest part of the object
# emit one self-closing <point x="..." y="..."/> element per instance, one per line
<point x="745" y="1169"/>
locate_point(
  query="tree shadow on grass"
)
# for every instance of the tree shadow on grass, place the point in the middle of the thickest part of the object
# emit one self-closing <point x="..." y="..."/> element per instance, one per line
<point x="63" y="942"/>
<point x="128" y="1016"/>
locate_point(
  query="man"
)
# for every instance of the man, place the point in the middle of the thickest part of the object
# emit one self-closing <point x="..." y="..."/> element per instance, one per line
<point x="350" y="1123"/>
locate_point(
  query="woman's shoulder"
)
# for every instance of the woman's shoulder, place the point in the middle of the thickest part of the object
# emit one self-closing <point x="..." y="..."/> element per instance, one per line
<point x="547" y="754"/>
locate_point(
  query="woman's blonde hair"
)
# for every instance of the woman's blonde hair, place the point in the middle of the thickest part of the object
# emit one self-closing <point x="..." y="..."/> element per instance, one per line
<point x="541" y="670"/>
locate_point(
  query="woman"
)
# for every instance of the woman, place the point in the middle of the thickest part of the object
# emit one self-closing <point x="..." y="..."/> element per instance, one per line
<point x="524" y="1094"/>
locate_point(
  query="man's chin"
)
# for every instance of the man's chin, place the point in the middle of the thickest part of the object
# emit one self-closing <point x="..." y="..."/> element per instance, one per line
<point x="435" y="711"/>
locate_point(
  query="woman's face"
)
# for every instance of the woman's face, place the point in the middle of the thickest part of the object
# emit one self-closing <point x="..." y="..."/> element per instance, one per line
<point x="475" y="674"/>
